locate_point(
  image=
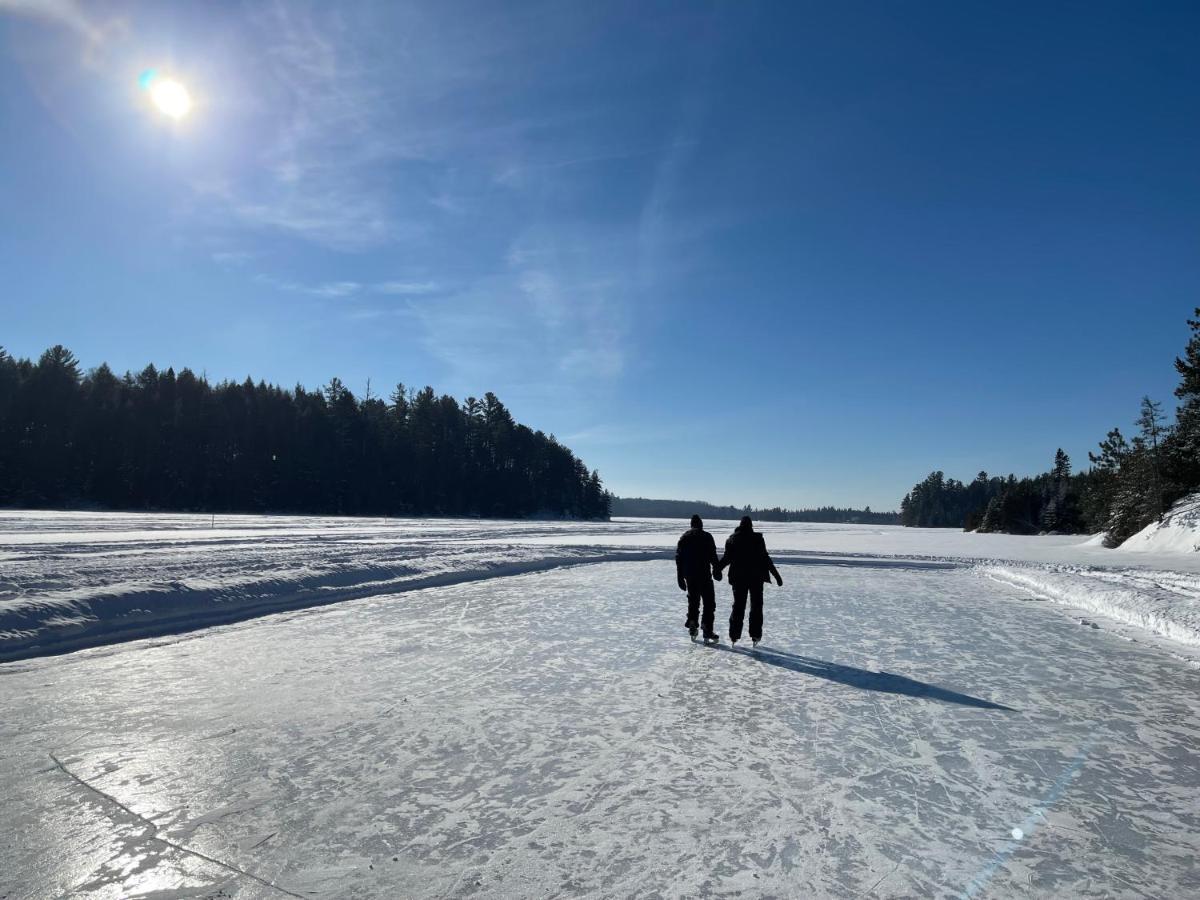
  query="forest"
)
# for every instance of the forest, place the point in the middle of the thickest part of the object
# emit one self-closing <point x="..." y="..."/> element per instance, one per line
<point x="173" y="441"/>
<point x="1129" y="483"/>
<point x="683" y="509"/>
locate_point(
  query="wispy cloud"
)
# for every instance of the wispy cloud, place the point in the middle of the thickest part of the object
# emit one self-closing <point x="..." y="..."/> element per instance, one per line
<point x="516" y="175"/>
<point x="462" y="172"/>
<point x="406" y="288"/>
<point x="375" y="124"/>
<point x="557" y="317"/>
<point x="604" y="361"/>
<point x="232" y="259"/>
<point x="67" y="13"/>
<point x="346" y="288"/>
<point x="327" y="132"/>
<point x="655" y="226"/>
<point x="374" y="314"/>
<point x="321" y="289"/>
<point x="619" y="435"/>
<point x="96" y="29"/>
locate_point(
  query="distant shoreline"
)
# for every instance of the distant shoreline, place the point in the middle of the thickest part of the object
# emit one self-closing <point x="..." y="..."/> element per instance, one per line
<point x="645" y="508"/>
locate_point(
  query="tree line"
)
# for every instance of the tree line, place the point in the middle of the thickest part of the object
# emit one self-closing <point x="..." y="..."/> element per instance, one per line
<point x="1129" y="484"/>
<point x="173" y="441"/>
<point x="682" y="509"/>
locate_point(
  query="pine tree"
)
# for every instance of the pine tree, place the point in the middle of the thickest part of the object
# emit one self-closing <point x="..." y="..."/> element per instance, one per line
<point x="992" y="516"/>
<point x="1102" y="484"/>
<point x="1181" y="450"/>
<point x="165" y="441"/>
<point x="1188" y="366"/>
<point x="1129" y="485"/>
<point x="1150" y="421"/>
<point x="1053" y="516"/>
<point x="10" y="380"/>
<point x="1062" y="467"/>
<point x="1135" y="487"/>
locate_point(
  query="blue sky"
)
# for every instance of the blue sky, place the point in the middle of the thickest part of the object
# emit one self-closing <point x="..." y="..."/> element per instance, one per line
<point x="781" y="253"/>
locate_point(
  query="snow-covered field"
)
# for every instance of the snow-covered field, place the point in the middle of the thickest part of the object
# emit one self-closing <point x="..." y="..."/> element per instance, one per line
<point x="513" y="709"/>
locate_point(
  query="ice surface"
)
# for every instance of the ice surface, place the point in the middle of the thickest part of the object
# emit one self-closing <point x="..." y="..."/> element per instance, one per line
<point x="909" y="730"/>
<point x="71" y="580"/>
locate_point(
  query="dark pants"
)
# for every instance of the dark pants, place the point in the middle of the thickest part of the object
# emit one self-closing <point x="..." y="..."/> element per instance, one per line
<point x="700" y="588"/>
<point x="739" y="611"/>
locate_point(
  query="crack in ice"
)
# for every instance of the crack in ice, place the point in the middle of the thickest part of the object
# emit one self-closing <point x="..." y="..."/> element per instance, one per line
<point x="162" y="840"/>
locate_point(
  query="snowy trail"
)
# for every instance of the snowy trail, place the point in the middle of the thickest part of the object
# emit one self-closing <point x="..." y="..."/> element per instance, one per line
<point x="555" y="734"/>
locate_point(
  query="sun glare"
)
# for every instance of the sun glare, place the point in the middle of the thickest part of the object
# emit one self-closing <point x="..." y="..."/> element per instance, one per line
<point x="171" y="97"/>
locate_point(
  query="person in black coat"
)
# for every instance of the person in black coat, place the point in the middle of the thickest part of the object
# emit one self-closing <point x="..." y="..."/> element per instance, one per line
<point x="750" y="567"/>
<point x="695" y="568"/>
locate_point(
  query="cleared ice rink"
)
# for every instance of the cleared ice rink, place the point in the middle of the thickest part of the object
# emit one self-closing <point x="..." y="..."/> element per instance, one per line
<point x="910" y="729"/>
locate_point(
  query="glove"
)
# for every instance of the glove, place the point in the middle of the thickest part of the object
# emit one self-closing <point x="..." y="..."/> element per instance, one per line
<point x="682" y="583"/>
<point x="779" y="579"/>
<point x="717" y="574"/>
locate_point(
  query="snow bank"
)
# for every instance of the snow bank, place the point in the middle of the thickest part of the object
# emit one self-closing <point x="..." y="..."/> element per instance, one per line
<point x="1164" y="603"/>
<point x="1178" y="532"/>
<point x="150" y="600"/>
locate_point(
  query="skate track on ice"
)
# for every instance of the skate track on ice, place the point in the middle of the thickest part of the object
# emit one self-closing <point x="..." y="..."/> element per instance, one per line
<point x="70" y="580"/>
<point x="909" y="730"/>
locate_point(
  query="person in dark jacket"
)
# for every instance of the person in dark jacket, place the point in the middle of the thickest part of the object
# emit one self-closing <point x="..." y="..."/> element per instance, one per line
<point x="695" y="568"/>
<point x="750" y="567"/>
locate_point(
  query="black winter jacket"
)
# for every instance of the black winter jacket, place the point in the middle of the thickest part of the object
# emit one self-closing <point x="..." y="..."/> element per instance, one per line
<point x="747" y="558"/>
<point x="695" y="554"/>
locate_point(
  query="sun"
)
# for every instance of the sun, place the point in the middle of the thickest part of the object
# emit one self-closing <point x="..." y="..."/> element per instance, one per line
<point x="171" y="97"/>
<point x="168" y="95"/>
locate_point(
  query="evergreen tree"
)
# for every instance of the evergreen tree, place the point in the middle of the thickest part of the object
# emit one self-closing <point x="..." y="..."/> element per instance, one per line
<point x="1128" y="510"/>
<point x="1181" y="450"/>
<point x="1134" y="485"/>
<point x="1062" y="467"/>
<point x="1129" y="484"/>
<point x="1059" y="504"/>
<point x="161" y="440"/>
<point x="1101" y="487"/>
<point x="1150" y="421"/>
<point x="1188" y="365"/>
<point x="991" y="520"/>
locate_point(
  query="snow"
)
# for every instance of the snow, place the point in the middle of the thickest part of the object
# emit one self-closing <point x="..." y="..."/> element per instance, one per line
<point x="1164" y="603"/>
<point x="512" y="709"/>
<point x="1178" y="532"/>
<point x="74" y="580"/>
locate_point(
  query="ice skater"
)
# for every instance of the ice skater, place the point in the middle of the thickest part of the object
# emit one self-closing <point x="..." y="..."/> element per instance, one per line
<point x="750" y="567"/>
<point x="695" y="569"/>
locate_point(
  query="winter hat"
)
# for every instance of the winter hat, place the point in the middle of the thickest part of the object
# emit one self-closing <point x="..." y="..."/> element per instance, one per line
<point x="746" y="524"/>
<point x="697" y="522"/>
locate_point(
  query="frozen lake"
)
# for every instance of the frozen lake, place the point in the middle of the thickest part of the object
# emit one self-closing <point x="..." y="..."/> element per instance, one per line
<point x="911" y="731"/>
<point x="72" y="580"/>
